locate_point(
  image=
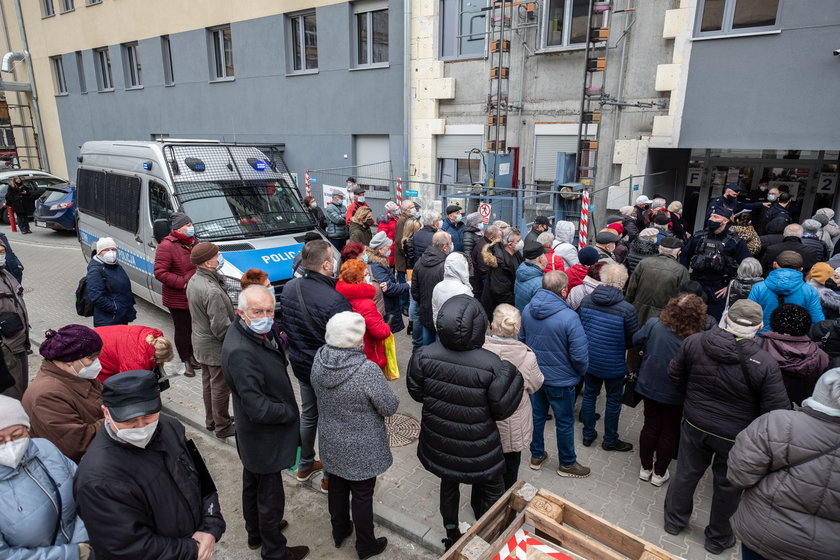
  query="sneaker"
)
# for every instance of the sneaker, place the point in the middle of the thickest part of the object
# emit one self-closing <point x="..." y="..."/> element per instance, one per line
<point x="376" y="548"/>
<point x="303" y="476"/>
<point x="297" y="552"/>
<point x="575" y="470"/>
<point x="617" y="446"/>
<point x="325" y="486"/>
<point x="657" y="480"/>
<point x="645" y="474"/>
<point x="536" y="464"/>
<point x="716" y="548"/>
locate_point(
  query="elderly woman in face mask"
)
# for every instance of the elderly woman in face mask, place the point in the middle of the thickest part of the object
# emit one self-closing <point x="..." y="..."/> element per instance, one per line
<point x="65" y="399"/>
<point x="14" y="332"/>
<point x="109" y="287"/>
<point x="37" y="510"/>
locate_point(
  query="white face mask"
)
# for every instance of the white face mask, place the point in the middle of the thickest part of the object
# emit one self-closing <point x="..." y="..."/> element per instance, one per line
<point x="313" y="205"/>
<point x="520" y="245"/>
<point x="110" y="257"/>
<point x="367" y="278"/>
<point x="91" y="371"/>
<point x="138" y="437"/>
<point x="11" y="453"/>
<point x="2" y="260"/>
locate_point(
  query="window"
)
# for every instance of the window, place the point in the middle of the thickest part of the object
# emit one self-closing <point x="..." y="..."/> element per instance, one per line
<point x="720" y="17"/>
<point x="80" y="68"/>
<point x="565" y="22"/>
<point x="112" y="197"/>
<point x="221" y="53"/>
<point x="93" y="2"/>
<point x="371" y="35"/>
<point x="102" y="61"/>
<point x="67" y="6"/>
<point x="463" y="28"/>
<point x="304" y="38"/>
<point x="58" y="75"/>
<point x="131" y="66"/>
<point x="166" y="50"/>
<point x="160" y="205"/>
<point x="47" y="8"/>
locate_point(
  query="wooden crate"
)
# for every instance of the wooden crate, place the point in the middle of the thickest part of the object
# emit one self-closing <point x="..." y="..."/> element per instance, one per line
<point x="557" y="521"/>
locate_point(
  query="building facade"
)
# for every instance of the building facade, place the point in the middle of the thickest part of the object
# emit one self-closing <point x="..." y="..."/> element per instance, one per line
<point x="322" y="77"/>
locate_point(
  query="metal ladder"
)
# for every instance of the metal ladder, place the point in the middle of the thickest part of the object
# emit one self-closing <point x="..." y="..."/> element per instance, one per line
<point x="501" y="13"/>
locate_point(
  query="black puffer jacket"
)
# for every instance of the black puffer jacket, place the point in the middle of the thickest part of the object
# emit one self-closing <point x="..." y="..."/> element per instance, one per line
<point x="501" y="275"/>
<point x="471" y="237"/>
<point x="428" y="272"/>
<point x="144" y="503"/>
<point x="465" y="390"/>
<point x="718" y="398"/>
<point x="322" y="302"/>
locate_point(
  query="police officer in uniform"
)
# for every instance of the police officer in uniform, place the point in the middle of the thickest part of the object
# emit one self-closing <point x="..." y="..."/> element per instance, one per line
<point x="712" y="256"/>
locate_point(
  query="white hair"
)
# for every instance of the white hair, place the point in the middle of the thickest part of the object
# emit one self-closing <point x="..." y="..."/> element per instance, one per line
<point x="669" y="251"/>
<point x="545" y="239"/>
<point x="242" y="304"/>
<point x="614" y="275"/>
<point x="430" y="217"/>
<point x="793" y="230"/>
<point x="506" y="321"/>
<point x="406" y="204"/>
<point x="626" y="210"/>
<point x="657" y="203"/>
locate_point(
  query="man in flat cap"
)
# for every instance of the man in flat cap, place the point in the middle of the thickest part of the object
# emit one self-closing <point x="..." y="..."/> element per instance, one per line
<point x="453" y="224"/>
<point x="657" y="279"/>
<point x="142" y="489"/>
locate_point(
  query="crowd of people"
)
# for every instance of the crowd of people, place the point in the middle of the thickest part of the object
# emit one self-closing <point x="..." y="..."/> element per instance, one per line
<point x="728" y="336"/>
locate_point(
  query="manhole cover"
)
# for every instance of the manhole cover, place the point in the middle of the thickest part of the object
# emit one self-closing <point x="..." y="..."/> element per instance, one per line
<point x="402" y="429"/>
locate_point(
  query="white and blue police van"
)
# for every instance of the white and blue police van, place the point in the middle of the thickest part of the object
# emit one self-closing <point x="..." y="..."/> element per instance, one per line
<point x="242" y="198"/>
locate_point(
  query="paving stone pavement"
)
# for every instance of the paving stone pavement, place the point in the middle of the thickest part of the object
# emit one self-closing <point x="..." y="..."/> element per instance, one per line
<point x="406" y="496"/>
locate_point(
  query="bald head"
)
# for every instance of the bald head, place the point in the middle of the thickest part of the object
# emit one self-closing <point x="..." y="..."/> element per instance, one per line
<point x="556" y="281"/>
<point x="793" y="230"/>
<point x="441" y="240"/>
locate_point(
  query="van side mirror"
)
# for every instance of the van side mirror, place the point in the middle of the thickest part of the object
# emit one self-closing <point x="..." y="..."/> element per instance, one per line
<point x="160" y="229"/>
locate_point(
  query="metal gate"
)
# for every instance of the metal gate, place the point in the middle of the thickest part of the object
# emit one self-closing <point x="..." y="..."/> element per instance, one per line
<point x="375" y="178"/>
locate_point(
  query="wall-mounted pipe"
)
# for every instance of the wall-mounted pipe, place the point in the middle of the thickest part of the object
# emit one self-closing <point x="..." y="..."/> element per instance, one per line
<point x="9" y="58"/>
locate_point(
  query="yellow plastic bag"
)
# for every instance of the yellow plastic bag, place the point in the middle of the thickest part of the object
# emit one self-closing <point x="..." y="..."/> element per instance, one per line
<point x="392" y="369"/>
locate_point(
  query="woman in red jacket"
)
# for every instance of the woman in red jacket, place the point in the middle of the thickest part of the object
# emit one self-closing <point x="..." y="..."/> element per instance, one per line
<point x="354" y="284"/>
<point x="173" y="269"/>
<point x="130" y="347"/>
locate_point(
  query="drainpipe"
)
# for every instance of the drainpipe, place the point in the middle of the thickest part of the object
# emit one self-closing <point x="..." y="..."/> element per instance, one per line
<point x="36" y="111"/>
<point x="406" y="89"/>
<point x="620" y="93"/>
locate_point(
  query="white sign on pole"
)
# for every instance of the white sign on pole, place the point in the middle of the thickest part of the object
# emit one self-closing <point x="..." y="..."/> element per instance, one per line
<point x="484" y="210"/>
<point x="329" y="190"/>
<point x="827" y="183"/>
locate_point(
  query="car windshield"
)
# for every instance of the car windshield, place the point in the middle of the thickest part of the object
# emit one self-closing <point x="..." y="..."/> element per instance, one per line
<point x="53" y="196"/>
<point x="239" y="209"/>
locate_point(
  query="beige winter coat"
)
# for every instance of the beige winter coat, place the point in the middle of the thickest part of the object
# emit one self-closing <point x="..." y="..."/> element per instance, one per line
<point x="516" y="431"/>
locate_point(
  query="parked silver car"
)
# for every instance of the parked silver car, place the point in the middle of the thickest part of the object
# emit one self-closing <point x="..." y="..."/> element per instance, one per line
<point x="34" y="178"/>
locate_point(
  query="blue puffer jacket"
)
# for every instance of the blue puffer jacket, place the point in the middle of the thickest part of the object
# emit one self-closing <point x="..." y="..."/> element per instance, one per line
<point x="554" y="333"/>
<point x="609" y="322"/>
<point x="528" y="281"/>
<point x="659" y="346"/>
<point x="113" y="302"/>
<point x="788" y="284"/>
<point x="28" y="518"/>
<point x="456" y="230"/>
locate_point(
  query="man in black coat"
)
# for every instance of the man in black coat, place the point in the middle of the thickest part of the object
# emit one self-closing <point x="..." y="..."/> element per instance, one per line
<point x="478" y="272"/>
<point x="142" y="489"/>
<point x="422" y="239"/>
<point x="428" y="272"/>
<point x="306" y="304"/>
<point x="267" y="426"/>
<point x="22" y="202"/>
<point x="502" y="260"/>
<point x="465" y="390"/>
<point x="792" y="241"/>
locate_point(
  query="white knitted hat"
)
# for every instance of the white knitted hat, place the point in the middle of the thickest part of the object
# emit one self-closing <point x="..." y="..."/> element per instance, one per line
<point x="345" y="330"/>
<point x="826" y="397"/>
<point x="12" y="413"/>
<point x="105" y="243"/>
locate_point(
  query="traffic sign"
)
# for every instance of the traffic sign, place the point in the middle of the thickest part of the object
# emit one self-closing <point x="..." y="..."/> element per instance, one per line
<point x="484" y="210"/>
<point x="411" y="193"/>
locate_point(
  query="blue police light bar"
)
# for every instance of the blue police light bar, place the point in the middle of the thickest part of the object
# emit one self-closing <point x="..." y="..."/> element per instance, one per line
<point x="258" y="164"/>
<point x="195" y="164"/>
<point x="147" y="165"/>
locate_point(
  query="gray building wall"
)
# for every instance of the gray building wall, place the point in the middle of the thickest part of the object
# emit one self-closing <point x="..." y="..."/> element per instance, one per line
<point x="315" y="115"/>
<point x="775" y="91"/>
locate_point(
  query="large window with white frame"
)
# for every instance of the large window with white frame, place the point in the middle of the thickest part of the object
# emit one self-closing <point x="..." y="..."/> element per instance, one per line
<point x="131" y="66"/>
<point x="221" y="53"/>
<point x="463" y="28"/>
<point x="102" y="62"/>
<point x="565" y="23"/>
<point x="729" y="17"/>
<point x="47" y="8"/>
<point x="371" y="33"/>
<point x="304" y="42"/>
<point x="58" y="75"/>
<point x="67" y="6"/>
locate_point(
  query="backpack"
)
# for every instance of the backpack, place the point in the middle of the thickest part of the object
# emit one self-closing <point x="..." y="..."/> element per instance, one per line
<point x="84" y="305"/>
<point x="710" y="257"/>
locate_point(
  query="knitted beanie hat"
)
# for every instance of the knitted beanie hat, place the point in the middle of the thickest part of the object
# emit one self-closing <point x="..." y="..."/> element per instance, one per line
<point x="380" y="240"/>
<point x="70" y="343"/>
<point x="345" y="330"/>
<point x="826" y="397"/>
<point x="12" y="413"/>
<point x="791" y="319"/>
<point x="203" y="252"/>
<point x="179" y="220"/>
<point x="473" y="219"/>
<point x="821" y="272"/>
<point x="821" y="218"/>
<point x="105" y="243"/>
<point x="811" y="226"/>
<point x="588" y="256"/>
<point x="744" y="318"/>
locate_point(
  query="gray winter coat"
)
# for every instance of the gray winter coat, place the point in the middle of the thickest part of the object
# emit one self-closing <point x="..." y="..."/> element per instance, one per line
<point x="456" y="280"/>
<point x="790" y="508"/>
<point x="212" y="313"/>
<point x="353" y="400"/>
<point x="28" y="518"/>
<point x="336" y="221"/>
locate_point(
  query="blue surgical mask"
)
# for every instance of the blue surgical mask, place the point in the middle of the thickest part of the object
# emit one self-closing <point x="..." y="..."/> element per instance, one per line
<point x="459" y="219"/>
<point x="349" y="185"/>
<point x="221" y="262"/>
<point x="361" y="199"/>
<point x="771" y="197"/>
<point x="416" y="215"/>
<point x="364" y="258"/>
<point x="190" y="231"/>
<point x="388" y="254"/>
<point x="451" y="247"/>
<point x="481" y="226"/>
<point x="261" y="325"/>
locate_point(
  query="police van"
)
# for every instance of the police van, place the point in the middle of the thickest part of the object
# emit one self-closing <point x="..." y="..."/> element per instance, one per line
<point x="242" y="198"/>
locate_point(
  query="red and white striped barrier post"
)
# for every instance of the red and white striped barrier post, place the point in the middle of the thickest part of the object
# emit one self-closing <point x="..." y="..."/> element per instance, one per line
<point x="399" y="191"/>
<point x="308" y="183"/>
<point x="584" y="218"/>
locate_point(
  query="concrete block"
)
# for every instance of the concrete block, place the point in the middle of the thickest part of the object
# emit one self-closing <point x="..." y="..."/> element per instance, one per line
<point x="437" y="88"/>
<point x="667" y="77"/>
<point x="676" y="21"/>
<point x="663" y="125"/>
<point x="625" y="151"/>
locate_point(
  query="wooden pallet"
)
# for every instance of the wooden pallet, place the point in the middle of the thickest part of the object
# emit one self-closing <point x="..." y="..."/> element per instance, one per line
<point x="557" y="521"/>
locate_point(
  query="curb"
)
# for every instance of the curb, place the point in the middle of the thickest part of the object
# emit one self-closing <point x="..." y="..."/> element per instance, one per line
<point x="398" y="522"/>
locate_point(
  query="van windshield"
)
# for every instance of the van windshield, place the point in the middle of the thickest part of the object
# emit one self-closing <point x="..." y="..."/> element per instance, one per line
<point x="236" y="209"/>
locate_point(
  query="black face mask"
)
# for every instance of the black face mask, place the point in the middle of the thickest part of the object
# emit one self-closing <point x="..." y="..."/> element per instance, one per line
<point x="730" y="198"/>
<point x="831" y="284"/>
<point x="712" y="226"/>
